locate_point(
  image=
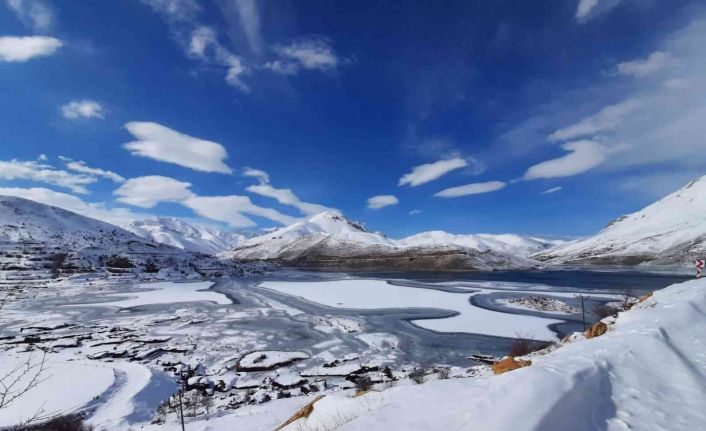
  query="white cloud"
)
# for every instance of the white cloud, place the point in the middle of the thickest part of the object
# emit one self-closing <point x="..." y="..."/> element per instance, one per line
<point x="313" y="53"/>
<point x="83" y="109"/>
<point x="262" y="176"/>
<point x="148" y="191"/>
<point x="115" y="215"/>
<point x="382" y="201"/>
<point x="204" y="45"/>
<point x="661" y="124"/>
<point x="36" y="14"/>
<point x="608" y="118"/>
<point x="287" y="197"/>
<point x="164" y="144"/>
<point x="283" y="196"/>
<point x="583" y="156"/>
<point x="429" y="172"/>
<point x="175" y="10"/>
<point x="23" y="48"/>
<point x="588" y="9"/>
<point x="471" y="189"/>
<point x="81" y="167"/>
<point x="250" y="22"/>
<point x="43" y="173"/>
<point x="230" y="209"/>
<point x="415" y="212"/>
<point x="552" y="190"/>
<point x="638" y="68"/>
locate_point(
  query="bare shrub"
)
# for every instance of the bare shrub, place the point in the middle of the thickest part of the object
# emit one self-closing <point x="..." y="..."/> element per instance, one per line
<point x="628" y="298"/>
<point x="443" y="373"/>
<point x="603" y="311"/>
<point x="63" y="423"/>
<point x="363" y="383"/>
<point x="418" y="375"/>
<point x="524" y="345"/>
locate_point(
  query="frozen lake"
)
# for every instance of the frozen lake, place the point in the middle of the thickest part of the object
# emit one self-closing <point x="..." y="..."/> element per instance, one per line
<point x="290" y="325"/>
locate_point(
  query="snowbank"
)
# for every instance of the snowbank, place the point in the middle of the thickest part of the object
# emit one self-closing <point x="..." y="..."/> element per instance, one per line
<point x="63" y="387"/>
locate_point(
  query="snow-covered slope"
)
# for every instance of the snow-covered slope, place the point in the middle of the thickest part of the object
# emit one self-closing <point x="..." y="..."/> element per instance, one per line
<point x="507" y="243"/>
<point x="671" y="231"/>
<point x="36" y="238"/>
<point x="178" y="233"/>
<point x="646" y="373"/>
<point x="330" y="240"/>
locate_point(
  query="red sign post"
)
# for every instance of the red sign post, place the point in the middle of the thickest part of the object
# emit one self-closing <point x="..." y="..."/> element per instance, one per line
<point x="699" y="265"/>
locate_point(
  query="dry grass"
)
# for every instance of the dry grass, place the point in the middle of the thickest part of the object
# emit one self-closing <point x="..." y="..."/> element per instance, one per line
<point x="303" y="412"/>
<point x="524" y="345"/>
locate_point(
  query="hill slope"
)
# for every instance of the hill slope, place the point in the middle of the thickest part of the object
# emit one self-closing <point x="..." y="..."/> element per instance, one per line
<point x="671" y="231"/>
<point x="180" y="234"/>
<point x="331" y="241"/>
<point x="36" y="239"/>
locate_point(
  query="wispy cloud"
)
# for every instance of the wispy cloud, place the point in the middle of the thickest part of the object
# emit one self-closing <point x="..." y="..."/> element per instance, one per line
<point x="35" y="14"/>
<point x="44" y="173"/>
<point x="230" y="209"/>
<point x="205" y="46"/>
<point x="81" y="167"/>
<point x="282" y="196"/>
<point x="250" y="21"/>
<point x="313" y="53"/>
<point x="582" y="156"/>
<point x="148" y="191"/>
<point x="175" y="10"/>
<point x="287" y="197"/>
<point x="588" y="9"/>
<point x="166" y="145"/>
<point x="83" y="109"/>
<point x="262" y="176"/>
<point x="552" y="190"/>
<point x="608" y="118"/>
<point x="19" y="49"/>
<point x="382" y="201"/>
<point x="471" y="189"/>
<point x="638" y="68"/>
<point x="431" y="171"/>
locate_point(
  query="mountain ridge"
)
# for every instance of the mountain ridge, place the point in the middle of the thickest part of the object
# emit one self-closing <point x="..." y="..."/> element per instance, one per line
<point x="670" y="231"/>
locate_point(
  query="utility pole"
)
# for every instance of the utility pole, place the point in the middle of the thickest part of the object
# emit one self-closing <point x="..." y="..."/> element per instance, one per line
<point x="181" y="411"/>
<point x="583" y="310"/>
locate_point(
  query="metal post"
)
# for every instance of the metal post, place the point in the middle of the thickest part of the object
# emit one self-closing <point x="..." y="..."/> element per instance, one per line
<point x="583" y="313"/>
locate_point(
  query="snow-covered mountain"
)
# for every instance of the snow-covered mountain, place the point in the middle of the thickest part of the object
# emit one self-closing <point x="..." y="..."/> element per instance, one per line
<point x="507" y="243"/>
<point x="671" y="231"/>
<point x="36" y="238"/>
<point x="180" y="234"/>
<point x="330" y="240"/>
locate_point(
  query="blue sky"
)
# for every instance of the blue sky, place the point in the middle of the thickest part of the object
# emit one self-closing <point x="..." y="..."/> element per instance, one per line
<point x="543" y="118"/>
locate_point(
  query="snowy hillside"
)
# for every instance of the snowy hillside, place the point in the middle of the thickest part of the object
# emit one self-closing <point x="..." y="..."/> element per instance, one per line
<point x="671" y="231"/>
<point x="330" y="240"/>
<point x="507" y="243"/>
<point x="36" y="238"/>
<point x="645" y="372"/>
<point x="178" y="233"/>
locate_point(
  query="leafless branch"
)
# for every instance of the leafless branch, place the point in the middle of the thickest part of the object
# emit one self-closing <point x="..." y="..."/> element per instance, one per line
<point x="21" y="379"/>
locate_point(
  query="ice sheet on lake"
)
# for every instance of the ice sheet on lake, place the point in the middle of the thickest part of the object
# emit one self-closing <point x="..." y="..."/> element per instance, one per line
<point x="166" y="293"/>
<point x="378" y="294"/>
